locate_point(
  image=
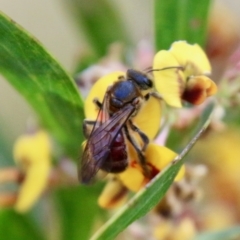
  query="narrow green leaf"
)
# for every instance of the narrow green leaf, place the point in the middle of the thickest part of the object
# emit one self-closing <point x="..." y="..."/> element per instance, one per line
<point x="227" y="234"/>
<point x="14" y="226"/>
<point x="101" y="22"/>
<point x="149" y="196"/>
<point x="43" y="83"/>
<point x="77" y="210"/>
<point x="180" y="20"/>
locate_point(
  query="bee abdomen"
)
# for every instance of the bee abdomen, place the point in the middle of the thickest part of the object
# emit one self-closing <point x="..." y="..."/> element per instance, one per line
<point x="118" y="157"/>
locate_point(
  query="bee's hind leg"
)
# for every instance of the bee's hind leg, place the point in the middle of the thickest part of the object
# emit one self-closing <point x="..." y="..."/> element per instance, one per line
<point x="140" y="152"/>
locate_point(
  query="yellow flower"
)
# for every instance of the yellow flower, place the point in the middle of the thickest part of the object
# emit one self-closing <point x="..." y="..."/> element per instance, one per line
<point x="133" y="178"/>
<point x="187" y="82"/>
<point x="157" y="158"/>
<point x="114" y="194"/>
<point x="148" y="121"/>
<point x="32" y="153"/>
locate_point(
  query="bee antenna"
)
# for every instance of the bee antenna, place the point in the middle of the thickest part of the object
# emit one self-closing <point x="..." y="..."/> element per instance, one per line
<point x="166" y="68"/>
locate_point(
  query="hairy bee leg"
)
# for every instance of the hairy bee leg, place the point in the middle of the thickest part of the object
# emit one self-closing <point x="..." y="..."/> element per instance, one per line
<point x="143" y="136"/>
<point x="140" y="154"/>
<point x="153" y="94"/>
<point x="87" y="127"/>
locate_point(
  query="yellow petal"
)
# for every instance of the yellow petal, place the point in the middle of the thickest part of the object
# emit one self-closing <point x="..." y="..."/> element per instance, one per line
<point x="33" y="185"/>
<point x="191" y="57"/>
<point x="212" y="89"/>
<point x="170" y="82"/>
<point x="32" y="148"/>
<point x="149" y="117"/>
<point x="32" y="152"/>
<point x="132" y="178"/>
<point x="198" y="89"/>
<point x="181" y="174"/>
<point x="98" y="91"/>
<point x="114" y="195"/>
<point x="159" y="157"/>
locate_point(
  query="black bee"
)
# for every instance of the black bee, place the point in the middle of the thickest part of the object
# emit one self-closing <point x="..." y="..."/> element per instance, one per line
<point x="106" y="145"/>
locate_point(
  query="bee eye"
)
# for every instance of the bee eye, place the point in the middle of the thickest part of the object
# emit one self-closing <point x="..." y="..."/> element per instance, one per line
<point x="116" y="103"/>
<point x="140" y="79"/>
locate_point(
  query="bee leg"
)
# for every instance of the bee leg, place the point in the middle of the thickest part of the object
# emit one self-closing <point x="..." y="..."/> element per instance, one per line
<point x="139" y="151"/>
<point x="153" y="94"/>
<point x="87" y="127"/>
<point x="97" y="103"/>
<point x="143" y="136"/>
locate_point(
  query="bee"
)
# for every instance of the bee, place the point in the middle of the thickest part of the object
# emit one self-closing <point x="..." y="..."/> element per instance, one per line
<point x="106" y="144"/>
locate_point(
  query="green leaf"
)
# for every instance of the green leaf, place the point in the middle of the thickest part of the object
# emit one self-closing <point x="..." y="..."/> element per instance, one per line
<point x="14" y="226"/>
<point x="6" y="158"/>
<point x="231" y="117"/>
<point x="101" y="23"/>
<point x="43" y="83"/>
<point x="227" y="234"/>
<point x="77" y="209"/>
<point x="149" y="196"/>
<point x="178" y="138"/>
<point x="180" y="20"/>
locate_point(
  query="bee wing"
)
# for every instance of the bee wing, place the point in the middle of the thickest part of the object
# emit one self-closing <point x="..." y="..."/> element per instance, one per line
<point x="103" y="114"/>
<point x="99" y="143"/>
<point x="88" y="168"/>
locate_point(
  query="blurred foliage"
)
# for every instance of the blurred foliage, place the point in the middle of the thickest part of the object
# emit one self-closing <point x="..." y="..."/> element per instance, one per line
<point x="43" y="83"/>
<point x="228" y="234"/>
<point x="176" y="134"/>
<point x="5" y="151"/>
<point x="102" y="25"/>
<point x="14" y="226"/>
<point x="78" y="211"/>
<point x="180" y="20"/>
